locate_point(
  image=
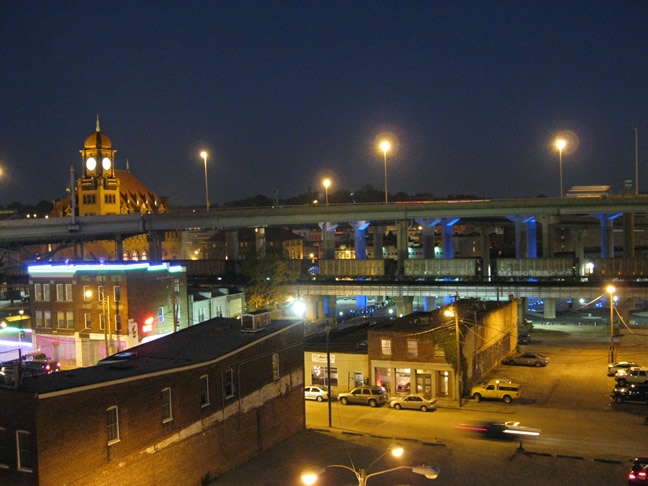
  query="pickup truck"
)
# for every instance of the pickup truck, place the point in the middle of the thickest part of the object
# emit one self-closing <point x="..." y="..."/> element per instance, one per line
<point x="497" y="390"/>
<point x="633" y="375"/>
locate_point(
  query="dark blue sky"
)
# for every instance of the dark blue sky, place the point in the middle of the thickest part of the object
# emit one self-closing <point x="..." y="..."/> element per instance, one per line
<point x="282" y="93"/>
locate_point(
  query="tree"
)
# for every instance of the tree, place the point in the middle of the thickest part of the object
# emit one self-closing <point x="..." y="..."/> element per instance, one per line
<point x="265" y="273"/>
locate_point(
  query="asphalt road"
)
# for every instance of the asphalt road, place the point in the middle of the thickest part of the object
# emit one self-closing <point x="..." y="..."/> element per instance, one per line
<point x="585" y="439"/>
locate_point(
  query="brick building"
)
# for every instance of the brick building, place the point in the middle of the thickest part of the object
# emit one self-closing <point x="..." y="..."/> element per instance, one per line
<point x="84" y="312"/>
<point x="177" y="410"/>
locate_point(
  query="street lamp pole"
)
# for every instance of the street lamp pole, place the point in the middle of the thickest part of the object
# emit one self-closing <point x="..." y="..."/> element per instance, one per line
<point x="456" y="313"/>
<point x="326" y="183"/>
<point x="385" y="146"/>
<point x="560" y="144"/>
<point x="203" y="154"/>
<point x="328" y="376"/>
<point x="610" y="289"/>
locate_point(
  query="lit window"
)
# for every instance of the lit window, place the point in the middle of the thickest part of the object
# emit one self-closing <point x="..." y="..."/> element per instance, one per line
<point x="25" y="456"/>
<point x="39" y="318"/>
<point x="87" y="293"/>
<point x="204" y="390"/>
<point x="167" y="410"/>
<point x="60" y="319"/>
<point x="68" y="292"/>
<point x="412" y="348"/>
<point x="46" y="292"/>
<point x="47" y="318"/>
<point x="385" y="347"/>
<point x="38" y="292"/>
<point x="160" y="314"/>
<point x="112" y="425"/>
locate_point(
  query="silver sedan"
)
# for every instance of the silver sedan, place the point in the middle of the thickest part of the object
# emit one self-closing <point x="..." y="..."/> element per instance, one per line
<point x="413" y="402"/>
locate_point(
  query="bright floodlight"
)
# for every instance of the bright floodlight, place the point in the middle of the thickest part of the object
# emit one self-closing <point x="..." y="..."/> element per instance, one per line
<point x="610" y="289"/>
<point x="385" y="146"/>
<point x="561" y="143"/>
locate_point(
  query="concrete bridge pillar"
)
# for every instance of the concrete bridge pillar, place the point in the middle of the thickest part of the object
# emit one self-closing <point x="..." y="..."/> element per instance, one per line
<point x="548" y="236"/>
<point x="404" y="305"/>
<point x="119" y="248"/>
<point x="328" y="240"/>
<point x="401" y="244"/>
<point x="232" y="245"/>
<point x="360" y="239"/>
<point x="378" y="233"/>
<point x="447" y="236"/>
<point x="260" y="238"/>
<point x="429" y="304"/>
<point x="628" y="235"/>
<point x="155" y="239"/>
<point x="607" y="234"/>
<point x="550" y="308"/>
<point x="427" y="235"/>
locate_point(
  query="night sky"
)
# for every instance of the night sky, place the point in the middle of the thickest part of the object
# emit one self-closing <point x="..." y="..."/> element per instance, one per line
<point x="283" y="93"/>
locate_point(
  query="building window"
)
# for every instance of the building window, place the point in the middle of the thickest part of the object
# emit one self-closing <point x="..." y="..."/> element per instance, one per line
<point x="412" y="348"/>
<point x="102" y="322"/>
<point x="69" y="319"/>
<point x="46" y="292"/>
<point x="117" y="293"/>
<point x="4" y="448"/>
<point x="60" y="293"/>
<point x="167" y="410"/>
<point x="60" y="319"/>
<point x="101" y="295"/>
<point x="275" y="366"/>
<point x="39" y="318"/>
<point x="319" y="376"/>
<point x="87" y="318"/>
<point x="47" y="319"/>
<point x="201" y="315"/>
<point x="438" y="351"/>
<point x="204" y="390"/>
<point x="228" y="383"/>
<point x="112" y="425"/>
<point x="385" y="347"/>
<point x="87" y="293"/>
<point x="68" y="292"/>
<point x="25" y="456"/>
<point x="160" y="316"/>
<point x="38" y="292"/>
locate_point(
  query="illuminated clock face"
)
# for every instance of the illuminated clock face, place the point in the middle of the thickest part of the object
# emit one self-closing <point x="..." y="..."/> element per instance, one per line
<point x="91" y="163"/>
<point x="105" y="163"/>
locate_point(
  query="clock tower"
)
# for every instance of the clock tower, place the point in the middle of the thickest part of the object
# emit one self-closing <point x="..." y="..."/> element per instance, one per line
<point x="98" y="187"/>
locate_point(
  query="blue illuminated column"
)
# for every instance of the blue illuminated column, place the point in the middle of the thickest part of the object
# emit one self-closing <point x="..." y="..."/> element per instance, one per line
<point x="447" y="230"/>
<point x="607" y="233"/>
<point x="360" y="239"/>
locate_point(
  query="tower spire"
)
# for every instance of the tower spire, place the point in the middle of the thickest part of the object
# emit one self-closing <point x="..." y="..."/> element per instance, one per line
<point x="98" y="128"/>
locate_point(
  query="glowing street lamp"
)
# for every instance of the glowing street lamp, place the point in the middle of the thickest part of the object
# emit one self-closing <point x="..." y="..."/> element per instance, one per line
<point x="385" y="146"/>
<point x="561" y="143"/>
<point x="610" y="290"/>
<point x="326" y="183"/>
<point x="203" y="154"/>
<point x="310" y="476"/>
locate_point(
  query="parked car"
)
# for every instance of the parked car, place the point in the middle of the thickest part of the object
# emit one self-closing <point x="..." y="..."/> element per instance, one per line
<point x="639" y="471"/>
<point x="319" y="393"/>
<point x="496" y="390"/>
<point x="527" y="359"/>
<point x="630" y="393"/>
<point x="524" y="338"/>
<point x="364" y="395"/>
<point x="632" y="375"/>
<point x="413" y="402"/>
<point x="620" y="365"/>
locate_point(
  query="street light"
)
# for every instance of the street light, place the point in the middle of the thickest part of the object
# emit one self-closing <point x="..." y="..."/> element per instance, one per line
<point x="203" y="154"/>
<point x="610" y="290"/>
<point x="385" y="146"/>
<point x="561" y="143"/>
<point x="310" y="476"/>
<point x="326" y="183"/>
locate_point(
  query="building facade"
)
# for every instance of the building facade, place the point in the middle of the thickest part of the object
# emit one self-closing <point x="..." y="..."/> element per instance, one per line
<point x="179" y="410"/>
<point x="85" y="312"/>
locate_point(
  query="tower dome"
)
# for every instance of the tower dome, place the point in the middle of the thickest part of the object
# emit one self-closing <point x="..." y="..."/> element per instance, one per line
<point x="97" y="139"/>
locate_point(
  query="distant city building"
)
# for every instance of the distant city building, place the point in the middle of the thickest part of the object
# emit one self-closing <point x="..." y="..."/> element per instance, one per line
<point x="82" y="313"/>
<point x="104" y="190"/>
